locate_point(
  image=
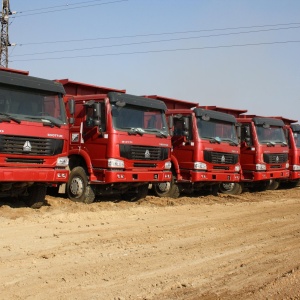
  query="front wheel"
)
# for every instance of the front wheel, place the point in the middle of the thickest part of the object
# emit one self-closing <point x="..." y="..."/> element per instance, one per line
<point x="273" y="185"/>
<point x="78" y="189"/>
<point x="167" y="189"/>
<point x="36" y="196"/>
<point x="231" y="188"/>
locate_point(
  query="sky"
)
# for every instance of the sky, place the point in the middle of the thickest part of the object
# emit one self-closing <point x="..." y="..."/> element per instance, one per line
<point x="241" y="54"/>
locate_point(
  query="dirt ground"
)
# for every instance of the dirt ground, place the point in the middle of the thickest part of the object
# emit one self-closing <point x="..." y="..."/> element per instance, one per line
<point x="193" y="247"/>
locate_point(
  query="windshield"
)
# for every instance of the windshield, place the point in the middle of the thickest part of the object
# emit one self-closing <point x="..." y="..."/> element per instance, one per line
<point x="297" y="138"/>
<point x="217" y="130"/>
<point x="139" y="119"/>
<point x="271" y="135"/>
<point x="31" y="105"/>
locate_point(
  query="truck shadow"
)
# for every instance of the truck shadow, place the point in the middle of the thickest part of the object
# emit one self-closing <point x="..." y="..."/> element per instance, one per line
<point x="16" y="203"/>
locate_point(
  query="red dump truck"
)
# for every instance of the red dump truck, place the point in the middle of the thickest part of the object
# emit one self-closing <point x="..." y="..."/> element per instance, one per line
<point x="292" y="132"/>
<point x="205" y="148"/>
<point x="264" y="152"/>
<point x="119" y="143"/>
<point x="34" y="138"/>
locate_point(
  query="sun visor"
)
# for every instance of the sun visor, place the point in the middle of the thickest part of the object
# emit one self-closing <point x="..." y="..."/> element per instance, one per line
<point x="123" y="99"/>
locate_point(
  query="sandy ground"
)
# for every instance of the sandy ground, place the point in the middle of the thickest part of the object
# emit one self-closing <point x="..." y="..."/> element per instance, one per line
<point x="194" y="247"/>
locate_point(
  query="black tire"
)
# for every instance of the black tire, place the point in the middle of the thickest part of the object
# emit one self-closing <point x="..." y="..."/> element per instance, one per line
<point x="78" y="189"/>
<point x="36" y="196"/>
<point x="136" y="193"/>
<point x="167" y="189"/>
<point x="289" y="184"/>
<point x="231" y="188"/>
<point x="273" y="185"/>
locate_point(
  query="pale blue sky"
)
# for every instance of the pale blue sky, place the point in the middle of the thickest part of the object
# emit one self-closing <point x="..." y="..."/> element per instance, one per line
<point x="265" y="78"/>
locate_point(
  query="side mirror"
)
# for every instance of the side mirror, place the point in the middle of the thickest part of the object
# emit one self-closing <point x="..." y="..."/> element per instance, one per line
<point x="71" y="104"/>
<point x="171" y="124"/>
<point x="186" y="126"/>
<point x="238" y="131"/>
<point x="97" y="114"/>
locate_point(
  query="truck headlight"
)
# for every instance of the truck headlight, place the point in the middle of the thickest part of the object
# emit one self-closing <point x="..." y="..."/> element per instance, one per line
<point x="260" y="167"/>
<point x="168" y="165"/>
<point x="200" y="165"/>
<point x="296" y="167"/>
<point x="237" y="168"/>
<point x="62" y="161"/>
<point x="115" y="163"/>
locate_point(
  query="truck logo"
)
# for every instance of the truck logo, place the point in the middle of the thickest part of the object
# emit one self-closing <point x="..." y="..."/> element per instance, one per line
<point x="223" y="159"/>
<point x="147" y="154"/>
<point x="277" y="159"/>
<point x="27" y="146"/>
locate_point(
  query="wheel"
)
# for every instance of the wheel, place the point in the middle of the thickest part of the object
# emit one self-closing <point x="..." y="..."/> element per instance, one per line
<point x="36" y="196"/>
<point x="289" y="184"/>
<point x="231" y="188"/>
<point x="78" y="189"/>
<point x="273" y="185"/>
<point x="167" y="189"/>
<point x="136" y="193"/>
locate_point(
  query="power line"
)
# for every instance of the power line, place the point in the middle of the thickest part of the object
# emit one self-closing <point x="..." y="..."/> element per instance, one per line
<point x="159" y="41"/>
<point x="160" y="51"/>
<point x="51" y="7"/>
<point x="158" y="34"/>
<point x="56" y="10"/>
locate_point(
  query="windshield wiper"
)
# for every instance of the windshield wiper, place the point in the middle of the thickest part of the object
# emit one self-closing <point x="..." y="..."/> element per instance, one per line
<point x="231" y="141"/>
<point x="9" y="117"/>
<point x="281" y="143"/>
<point x="46" y="121"/>
<point x="135" y="131"/>
<point x="214" y="139"/>
<point x="160" y="133"/>
<point x="270" y="144"/>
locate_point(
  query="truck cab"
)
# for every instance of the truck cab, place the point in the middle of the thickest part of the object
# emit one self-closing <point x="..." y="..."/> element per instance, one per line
<point x="119" y="143"/>
<point x="34" y="139"/>
<point x="292" y="133"/>
<point x="205" y="148"/>
<point x="264" y="151"/>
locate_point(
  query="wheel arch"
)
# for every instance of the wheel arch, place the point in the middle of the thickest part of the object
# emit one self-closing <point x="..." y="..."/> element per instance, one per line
<point x="175" y="166"/>
<point x="80" y="159"/>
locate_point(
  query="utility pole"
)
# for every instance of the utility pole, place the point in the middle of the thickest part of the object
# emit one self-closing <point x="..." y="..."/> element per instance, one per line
<point x="4" y="43"/>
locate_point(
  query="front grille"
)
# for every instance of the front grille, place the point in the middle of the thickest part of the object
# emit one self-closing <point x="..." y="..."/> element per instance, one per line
<point x="275" y="158"/>
<point x="134" y="152"/>
<point x="221" y="158"/>
<point x="13" y="144"/>
<point x="24" y="160"/>
<point x="275" y="167"/>
<point x="144" y="165"/>
<point x="220" y="168"/>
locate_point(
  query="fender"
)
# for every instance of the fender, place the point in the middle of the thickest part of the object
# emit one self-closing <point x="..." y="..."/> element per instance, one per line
<point x="87" y="160"/>
<point x="175" y="166"/>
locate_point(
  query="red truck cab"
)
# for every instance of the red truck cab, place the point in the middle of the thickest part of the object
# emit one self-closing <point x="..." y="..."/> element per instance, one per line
<point x="34" y="139"/>
<point x="119" y="143"/>
<point x="264" y="151"/>
<point x="205" y="148"/>
<point x="292" y="132"/>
